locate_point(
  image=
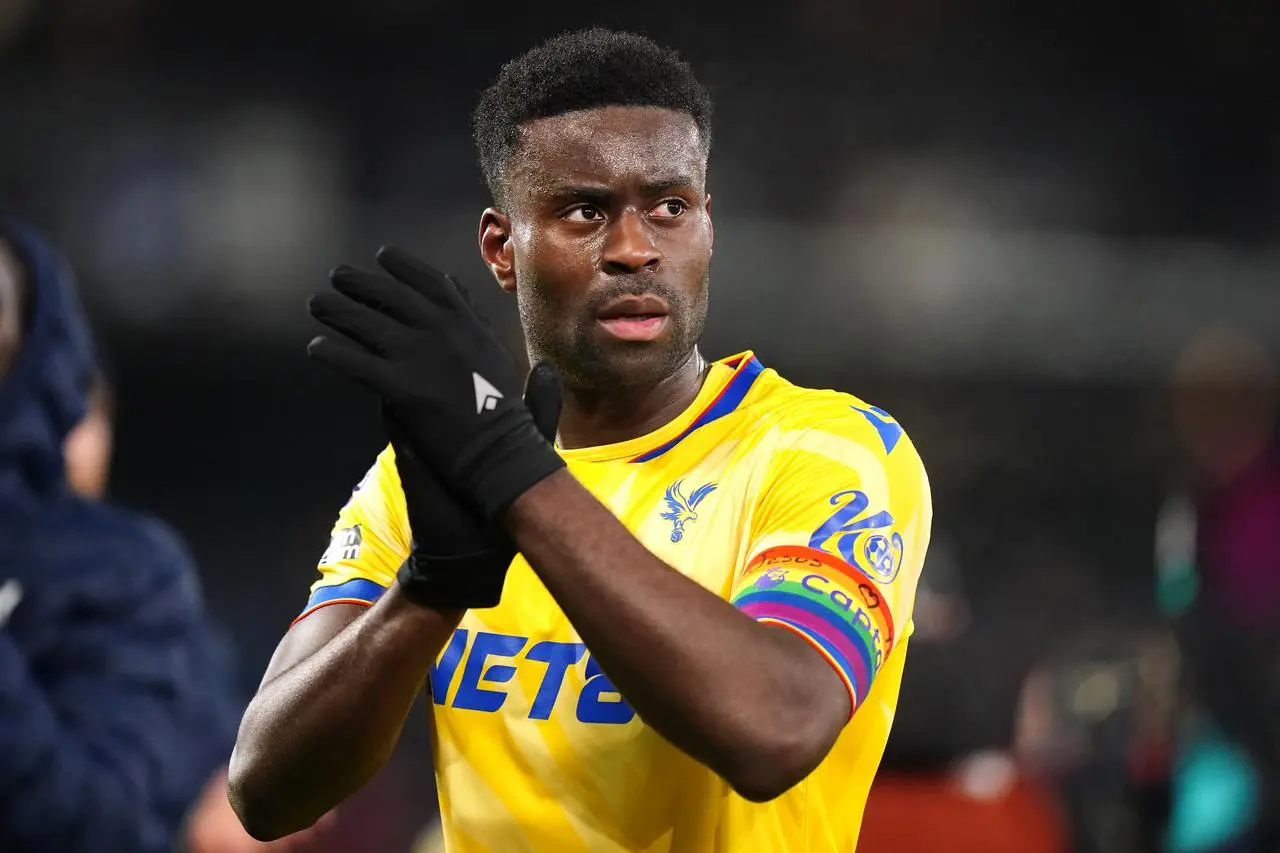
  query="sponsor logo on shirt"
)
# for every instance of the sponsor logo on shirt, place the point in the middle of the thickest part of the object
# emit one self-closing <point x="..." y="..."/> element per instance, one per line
<point x="488" y="661"/>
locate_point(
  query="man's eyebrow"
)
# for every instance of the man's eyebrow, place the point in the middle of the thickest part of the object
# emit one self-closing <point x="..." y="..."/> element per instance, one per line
<point x="602" y="192"/>
<point x="577" y="192"/>
<point x="667" y="184"/>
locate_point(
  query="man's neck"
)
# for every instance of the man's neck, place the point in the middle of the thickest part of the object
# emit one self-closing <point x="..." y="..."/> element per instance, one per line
<point x="594" y="418"/>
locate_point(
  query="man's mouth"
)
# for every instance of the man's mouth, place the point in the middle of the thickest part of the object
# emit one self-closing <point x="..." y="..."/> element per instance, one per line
<point x="634" y="318"/>
<point x="638" y="328"/>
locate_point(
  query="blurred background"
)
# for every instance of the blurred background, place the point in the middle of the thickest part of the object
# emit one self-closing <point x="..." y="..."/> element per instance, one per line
<point x="1043" y="236"/>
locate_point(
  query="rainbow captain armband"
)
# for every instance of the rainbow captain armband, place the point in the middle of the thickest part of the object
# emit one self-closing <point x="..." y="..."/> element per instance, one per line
<point x="837" y="608"/>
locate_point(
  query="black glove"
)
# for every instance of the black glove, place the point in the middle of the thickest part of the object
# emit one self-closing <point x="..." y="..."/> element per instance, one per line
<point x="458" y="559"/>
<point x="448" y="381"/>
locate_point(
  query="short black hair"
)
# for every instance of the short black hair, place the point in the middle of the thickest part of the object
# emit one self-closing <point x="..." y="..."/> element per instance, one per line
<point x="582" y="70"/>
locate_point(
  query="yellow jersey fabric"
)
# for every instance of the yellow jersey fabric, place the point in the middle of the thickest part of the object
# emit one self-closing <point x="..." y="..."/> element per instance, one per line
<point x="807" y="509"/>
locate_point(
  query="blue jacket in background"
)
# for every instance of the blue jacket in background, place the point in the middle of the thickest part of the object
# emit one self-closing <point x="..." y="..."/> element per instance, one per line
<point x="115" y="702"/>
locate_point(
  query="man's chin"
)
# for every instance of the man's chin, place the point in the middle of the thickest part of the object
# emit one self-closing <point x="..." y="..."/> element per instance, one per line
<point x="623" y="364"/>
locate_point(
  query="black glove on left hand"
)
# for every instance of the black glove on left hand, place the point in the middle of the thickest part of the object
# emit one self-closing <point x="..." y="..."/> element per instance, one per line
<point x="450" y="384"/>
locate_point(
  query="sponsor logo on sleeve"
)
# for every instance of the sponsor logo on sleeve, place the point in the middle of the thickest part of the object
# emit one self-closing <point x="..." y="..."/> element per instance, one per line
<point x="345" y="545"/>
<point x="865" y="540"/>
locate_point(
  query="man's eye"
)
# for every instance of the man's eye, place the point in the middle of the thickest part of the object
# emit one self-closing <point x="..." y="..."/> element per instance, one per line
<point x="669" y="209"/>
<point x="584" y="213"/>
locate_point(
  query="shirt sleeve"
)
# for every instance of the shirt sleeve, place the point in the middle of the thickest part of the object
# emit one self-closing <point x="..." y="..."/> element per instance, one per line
<point x="369" y="541"/>
<point x="838" y="538"/>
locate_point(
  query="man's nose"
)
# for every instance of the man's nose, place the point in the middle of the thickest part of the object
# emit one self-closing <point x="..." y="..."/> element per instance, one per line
<point x="630" y="247"/>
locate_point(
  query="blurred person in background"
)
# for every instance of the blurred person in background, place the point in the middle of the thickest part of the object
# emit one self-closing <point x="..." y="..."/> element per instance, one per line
<point x="115" y="703"/>
<point x="1218" y="562"/>
<point x="1093" y="719"/>
<point x="211" y="826"/>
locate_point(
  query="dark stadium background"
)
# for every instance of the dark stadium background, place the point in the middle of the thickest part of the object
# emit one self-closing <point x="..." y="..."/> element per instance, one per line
<point x="1003" y="222"/>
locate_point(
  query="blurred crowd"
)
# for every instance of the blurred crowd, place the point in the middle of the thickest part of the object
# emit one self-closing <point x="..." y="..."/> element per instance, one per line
<point x="1139" y="727"/>
<point x="1042" y="238"/>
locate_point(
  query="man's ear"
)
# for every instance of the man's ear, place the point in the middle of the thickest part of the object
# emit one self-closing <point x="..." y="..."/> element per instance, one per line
<point x="710" y="222"/>
<point x="496" y="248"/>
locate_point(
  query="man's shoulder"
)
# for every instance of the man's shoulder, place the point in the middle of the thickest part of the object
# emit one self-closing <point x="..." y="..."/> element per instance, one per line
<point x="380" y="481"/>
<point x="106" y="547"/>
<point x="799" y="410"/>
<point x="123" y="528"/>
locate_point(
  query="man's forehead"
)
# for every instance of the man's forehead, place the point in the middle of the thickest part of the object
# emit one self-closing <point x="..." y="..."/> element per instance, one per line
<point x="609" y="144"/>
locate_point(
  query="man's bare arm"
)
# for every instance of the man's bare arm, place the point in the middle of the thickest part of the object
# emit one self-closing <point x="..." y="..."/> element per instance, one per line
<point x="330" y="709"/>
<point x="755" y="703"/>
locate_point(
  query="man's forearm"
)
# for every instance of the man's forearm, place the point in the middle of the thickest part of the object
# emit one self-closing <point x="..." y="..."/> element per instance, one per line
<point x="318" y="731"/>
<point x="754" y="703"/>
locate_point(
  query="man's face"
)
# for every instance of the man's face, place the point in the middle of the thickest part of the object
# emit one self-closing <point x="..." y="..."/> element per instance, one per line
<point x="610" y="240"/>
<point x="11" y="284"/>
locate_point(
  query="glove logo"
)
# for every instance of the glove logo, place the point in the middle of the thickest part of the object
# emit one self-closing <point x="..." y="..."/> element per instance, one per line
<point x="487" y="396"/>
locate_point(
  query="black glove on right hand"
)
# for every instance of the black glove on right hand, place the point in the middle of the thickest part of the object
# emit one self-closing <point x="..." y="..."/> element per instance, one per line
<point x="459" y="560"/>
<point x="416" y="340"/>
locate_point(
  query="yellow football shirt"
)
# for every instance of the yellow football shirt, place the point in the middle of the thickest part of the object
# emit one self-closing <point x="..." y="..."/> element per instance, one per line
<point x="807" y="509"/>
